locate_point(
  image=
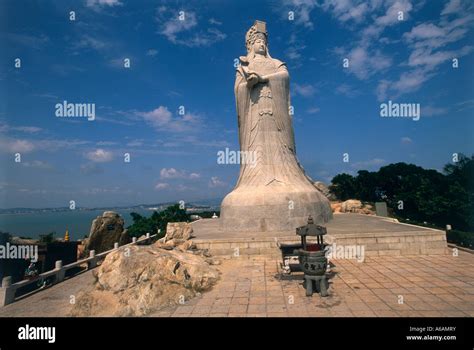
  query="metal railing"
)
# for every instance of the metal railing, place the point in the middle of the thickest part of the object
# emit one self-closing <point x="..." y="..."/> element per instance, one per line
<point x="8" y="289"/>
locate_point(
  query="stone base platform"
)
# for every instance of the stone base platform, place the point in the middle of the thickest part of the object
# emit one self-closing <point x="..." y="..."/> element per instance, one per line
<point x="380" y="237"/>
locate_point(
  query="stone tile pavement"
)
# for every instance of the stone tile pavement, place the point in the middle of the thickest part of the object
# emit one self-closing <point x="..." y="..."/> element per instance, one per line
<point x="441" y="285"/>
<point x="422" y="286"/>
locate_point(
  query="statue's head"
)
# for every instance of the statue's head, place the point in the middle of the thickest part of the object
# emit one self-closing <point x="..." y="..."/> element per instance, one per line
<point x="260" y="45"/>
<point x="256" y="38"/>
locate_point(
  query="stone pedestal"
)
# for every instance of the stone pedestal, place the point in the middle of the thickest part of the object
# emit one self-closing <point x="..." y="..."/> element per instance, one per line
<point x="272" y="209"/>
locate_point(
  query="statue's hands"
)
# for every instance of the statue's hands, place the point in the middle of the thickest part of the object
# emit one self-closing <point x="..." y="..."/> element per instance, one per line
<point x="252" y="79"/>
<point x="255" y="78"/>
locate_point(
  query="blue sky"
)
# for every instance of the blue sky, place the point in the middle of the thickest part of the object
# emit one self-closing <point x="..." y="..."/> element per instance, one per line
<point x="190" y="63"/>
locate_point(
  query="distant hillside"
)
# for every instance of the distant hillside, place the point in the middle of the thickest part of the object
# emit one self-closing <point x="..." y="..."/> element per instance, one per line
<point x="196" y="205"/>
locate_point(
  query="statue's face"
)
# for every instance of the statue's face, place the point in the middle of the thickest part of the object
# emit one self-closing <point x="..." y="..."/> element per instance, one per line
<point x="260" y="46"/>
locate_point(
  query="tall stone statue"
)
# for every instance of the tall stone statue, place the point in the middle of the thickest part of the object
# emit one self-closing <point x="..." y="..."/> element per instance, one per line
<point x="273" y="192"/>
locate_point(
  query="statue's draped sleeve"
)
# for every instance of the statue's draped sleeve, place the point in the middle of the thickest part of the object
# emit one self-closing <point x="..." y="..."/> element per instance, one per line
<point x="242" y="99"/>
<point x="280" y="87"/>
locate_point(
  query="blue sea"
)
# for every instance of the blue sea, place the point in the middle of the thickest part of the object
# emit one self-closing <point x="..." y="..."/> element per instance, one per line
<point x="78" y="222"/>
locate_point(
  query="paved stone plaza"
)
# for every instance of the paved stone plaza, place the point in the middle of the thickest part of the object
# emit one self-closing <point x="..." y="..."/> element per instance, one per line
<point x="429" y="285"/>
<point x="252" y="286"/>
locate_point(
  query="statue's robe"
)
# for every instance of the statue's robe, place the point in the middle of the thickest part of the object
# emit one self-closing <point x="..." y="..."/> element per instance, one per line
<point x="265" y="127"/>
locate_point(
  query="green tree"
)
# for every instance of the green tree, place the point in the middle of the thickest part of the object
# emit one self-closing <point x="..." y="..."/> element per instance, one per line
<point x="344" y="186"/>
<point x="47" y="238"/>
<point x="367" y="185"/>
<point x="158" y="220"/>
<point x="415" y="193"/>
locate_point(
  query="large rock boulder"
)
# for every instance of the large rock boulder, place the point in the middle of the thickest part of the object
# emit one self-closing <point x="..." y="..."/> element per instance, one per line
<point x="105" y="231"/>
<point x="145" y="280"/>
<point x="178" y="230"/>
<point x="351" y="206"/>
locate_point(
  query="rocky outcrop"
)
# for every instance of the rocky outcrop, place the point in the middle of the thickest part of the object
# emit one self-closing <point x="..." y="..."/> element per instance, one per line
<point x="352" y="206"/>
<point x="105" y="231"/>
<point x="321" y="186"/>
<point x="178" y="230"/>
<point x="139" y="280"/>
<point x="147" y="279"/>
<point x="336" y="207"/>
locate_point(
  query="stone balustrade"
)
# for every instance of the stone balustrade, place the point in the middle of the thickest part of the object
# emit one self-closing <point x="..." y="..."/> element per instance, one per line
<point x="8" y="289"/>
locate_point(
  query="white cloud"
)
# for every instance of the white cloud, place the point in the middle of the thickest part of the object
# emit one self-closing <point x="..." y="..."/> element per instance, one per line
<point x="214" y="21"/>
<point x="152" y="52"/>
<point x="376" y="162"/>
<point x="98" y="3"/>
<point x="173" y="26"/>
<point x="161" y="186"/>
<point x="363" y="62"/>
<point x="4" y="127"/>
<point x="52" y="145"/>
<point x="162" y="119"/>
<point x="431" y="111"/>
<point x="392" y="14"/>
<point x="426" y="41"/>
<point x="346" y="10"/>
<point x="13" y="145"/>
<point x="428" y="59"/>
<point x="302" y="10"/>
<point x="135" y="143"/>
<point x="294" y="50"/>
<point x="89" y="42"/>
<point x="35" y="42"/>
<point x="410" y="81"/>
<point x="463" y="105"/>
<point x="27" y="129"/>
<point x="305" y="90"/>
<point x="106" y="143"/>
<point x="424" y="31"/>
<point x="313" y="110"/>
<point x="215" y="182"/>
<point x="16" y="146"/>
<point x="452" y="7"/>
<point x="346" y="90"/>
<point x="382" y="89"/>
<point x="406" y="140"/>
<point x="179" y="31"/>
<point x="99" y="156"/>
<point x="293" y="53"/>
<point x="173" y="173"/>
<point x="37" y="164"/>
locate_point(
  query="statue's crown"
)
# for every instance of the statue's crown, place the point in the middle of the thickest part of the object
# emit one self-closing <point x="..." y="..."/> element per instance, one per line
<point x="258" y="30"/>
